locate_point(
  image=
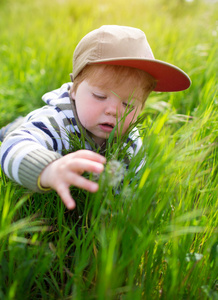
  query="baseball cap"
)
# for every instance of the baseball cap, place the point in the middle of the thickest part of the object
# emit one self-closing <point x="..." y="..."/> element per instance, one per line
<point x="127" y="46"/>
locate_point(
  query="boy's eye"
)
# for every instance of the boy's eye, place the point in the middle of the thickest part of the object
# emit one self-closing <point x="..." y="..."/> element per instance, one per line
<point x="128" y="105"/>
<point x="98" y="96"/>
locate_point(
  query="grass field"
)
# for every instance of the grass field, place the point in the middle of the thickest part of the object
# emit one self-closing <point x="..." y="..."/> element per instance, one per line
<point x="158" y="237"/>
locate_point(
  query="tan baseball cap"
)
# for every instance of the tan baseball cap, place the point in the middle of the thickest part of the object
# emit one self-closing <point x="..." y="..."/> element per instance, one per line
<point x="127" y="46"/>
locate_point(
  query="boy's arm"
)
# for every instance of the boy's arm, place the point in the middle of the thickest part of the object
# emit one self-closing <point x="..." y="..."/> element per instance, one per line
<point x="26" y="151"/>
<point x="23" y="158"/>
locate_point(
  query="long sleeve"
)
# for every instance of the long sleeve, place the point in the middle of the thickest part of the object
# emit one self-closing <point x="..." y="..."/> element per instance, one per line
<point x="27" y="150"/>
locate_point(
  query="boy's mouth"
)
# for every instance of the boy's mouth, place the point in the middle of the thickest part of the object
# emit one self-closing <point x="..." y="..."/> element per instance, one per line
<point x="107" y="127"/>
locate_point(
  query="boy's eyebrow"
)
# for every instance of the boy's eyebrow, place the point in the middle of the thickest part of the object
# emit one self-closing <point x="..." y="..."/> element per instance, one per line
<point x="129" y="97"/>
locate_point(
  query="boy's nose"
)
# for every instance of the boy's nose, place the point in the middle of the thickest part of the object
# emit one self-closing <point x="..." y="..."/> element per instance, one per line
<point x="113" y="108"/>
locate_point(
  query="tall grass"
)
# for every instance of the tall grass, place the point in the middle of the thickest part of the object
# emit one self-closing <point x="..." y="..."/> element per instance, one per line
<point x="157" y="237"/>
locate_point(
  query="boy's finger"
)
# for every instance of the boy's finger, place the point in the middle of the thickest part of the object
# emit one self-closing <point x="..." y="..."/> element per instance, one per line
<point x="80" y="165"/>
<point x="65" y="195"/>
<point x="87" y="154"/>
<point x="78" y="181"/>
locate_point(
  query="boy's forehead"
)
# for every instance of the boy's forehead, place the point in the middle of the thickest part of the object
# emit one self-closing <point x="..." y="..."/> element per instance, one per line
<point x="111" y="81"/>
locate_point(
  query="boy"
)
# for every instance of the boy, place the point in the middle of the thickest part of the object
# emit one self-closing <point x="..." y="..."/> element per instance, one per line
<point x="114" y="71"/>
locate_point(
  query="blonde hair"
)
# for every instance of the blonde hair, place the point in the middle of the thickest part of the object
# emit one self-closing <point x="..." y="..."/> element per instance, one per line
<point x="144" y="82"/>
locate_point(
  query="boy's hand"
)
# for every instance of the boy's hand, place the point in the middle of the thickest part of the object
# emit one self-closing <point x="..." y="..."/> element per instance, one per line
<point x="67" y="171"/>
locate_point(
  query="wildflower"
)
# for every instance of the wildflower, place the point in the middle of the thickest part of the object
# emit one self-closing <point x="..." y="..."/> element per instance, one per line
<point x="113" y="174"/>
<point x="115" y="171"/>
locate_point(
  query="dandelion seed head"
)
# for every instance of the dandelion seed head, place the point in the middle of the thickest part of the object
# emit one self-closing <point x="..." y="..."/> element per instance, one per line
<point x="115" y="172"/>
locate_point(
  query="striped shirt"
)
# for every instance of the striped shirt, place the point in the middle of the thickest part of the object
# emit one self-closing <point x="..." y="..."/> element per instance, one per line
<point x="43" y="137"/>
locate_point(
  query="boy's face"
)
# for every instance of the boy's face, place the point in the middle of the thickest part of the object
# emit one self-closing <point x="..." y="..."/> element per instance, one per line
<point x="100" y="108"/>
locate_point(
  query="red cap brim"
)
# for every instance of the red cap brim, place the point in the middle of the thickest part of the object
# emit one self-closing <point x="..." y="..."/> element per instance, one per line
<point x="169" y="77"/>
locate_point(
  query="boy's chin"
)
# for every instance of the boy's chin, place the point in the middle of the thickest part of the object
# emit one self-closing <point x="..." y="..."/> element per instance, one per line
<point x="99" y="140"/>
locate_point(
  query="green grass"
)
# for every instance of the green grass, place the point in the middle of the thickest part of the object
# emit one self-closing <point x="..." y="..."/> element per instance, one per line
<point x="157" y="238"/>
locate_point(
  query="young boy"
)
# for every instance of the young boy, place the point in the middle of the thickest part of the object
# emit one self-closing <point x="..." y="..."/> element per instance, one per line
<point x="114" y="71"/>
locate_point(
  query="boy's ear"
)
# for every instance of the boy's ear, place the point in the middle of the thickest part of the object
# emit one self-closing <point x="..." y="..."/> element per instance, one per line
<point x="73" y="94"/>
